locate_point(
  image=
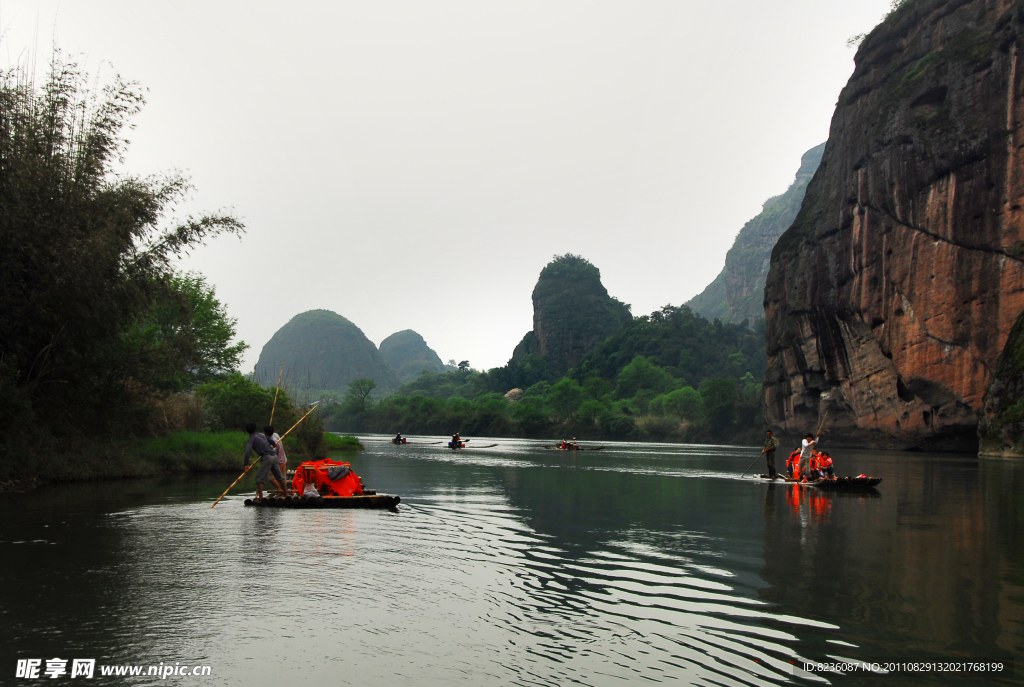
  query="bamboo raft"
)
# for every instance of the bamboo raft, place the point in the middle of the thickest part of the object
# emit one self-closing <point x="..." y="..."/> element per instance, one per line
<point x="373" y="500"/>
<point x="837" y="484"/>
<point x="847" y="483"/>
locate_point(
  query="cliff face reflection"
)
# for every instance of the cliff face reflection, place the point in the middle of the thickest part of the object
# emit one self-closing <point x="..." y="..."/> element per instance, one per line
<point x="526" y="566"/>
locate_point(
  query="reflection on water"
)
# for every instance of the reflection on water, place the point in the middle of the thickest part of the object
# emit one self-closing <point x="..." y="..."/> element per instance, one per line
<point x="523" y="566"/>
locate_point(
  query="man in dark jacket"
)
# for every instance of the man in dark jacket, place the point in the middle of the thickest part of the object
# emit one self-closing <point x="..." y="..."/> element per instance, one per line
<point x="268" y="460"/>
<point x="770" y="444"/>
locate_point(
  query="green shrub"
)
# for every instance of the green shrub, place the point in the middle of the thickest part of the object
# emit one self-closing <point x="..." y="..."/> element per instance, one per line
<point x="683" y="403"/>
<point x="564" y="399"/>
<point x="639" y="375"/>
<point x="335" y="442"/>
<point x="234" y="400"/>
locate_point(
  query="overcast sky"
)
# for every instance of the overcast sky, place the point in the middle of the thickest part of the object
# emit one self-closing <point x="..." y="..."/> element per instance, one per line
<point x="414" y="165"/>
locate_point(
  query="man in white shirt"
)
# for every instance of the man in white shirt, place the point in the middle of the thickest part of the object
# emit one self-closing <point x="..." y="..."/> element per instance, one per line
<point x="807" y="446"/>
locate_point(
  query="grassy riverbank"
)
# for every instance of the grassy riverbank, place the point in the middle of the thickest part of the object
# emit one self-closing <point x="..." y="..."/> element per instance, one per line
<point x="180" y="452"/>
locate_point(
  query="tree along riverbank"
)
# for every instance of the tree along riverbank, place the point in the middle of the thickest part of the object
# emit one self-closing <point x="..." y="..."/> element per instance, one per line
<point x="176" y="453"/>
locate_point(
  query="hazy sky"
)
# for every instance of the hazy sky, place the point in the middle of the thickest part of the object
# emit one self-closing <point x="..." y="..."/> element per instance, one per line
<point x="414" y="165"/>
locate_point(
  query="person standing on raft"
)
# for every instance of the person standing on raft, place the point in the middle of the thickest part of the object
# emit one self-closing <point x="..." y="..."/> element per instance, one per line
<point x="268" y="460"/>
<point x="770" y="444"/>
<point x="807" y="448"/>
<point x="278" y="445"/>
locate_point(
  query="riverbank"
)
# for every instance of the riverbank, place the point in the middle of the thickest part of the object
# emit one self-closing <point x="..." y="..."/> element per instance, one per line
<point x="176" y="453"/>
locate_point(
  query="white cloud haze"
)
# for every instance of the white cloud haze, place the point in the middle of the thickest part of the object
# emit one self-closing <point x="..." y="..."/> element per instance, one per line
<point x="413" y="165"/>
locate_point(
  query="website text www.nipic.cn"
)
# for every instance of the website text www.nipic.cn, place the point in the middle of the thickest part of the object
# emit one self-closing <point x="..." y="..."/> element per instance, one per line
<point x="34" y="668"/>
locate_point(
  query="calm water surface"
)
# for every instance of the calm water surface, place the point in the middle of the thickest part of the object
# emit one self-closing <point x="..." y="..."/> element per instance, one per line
<point x="522" y="566"/>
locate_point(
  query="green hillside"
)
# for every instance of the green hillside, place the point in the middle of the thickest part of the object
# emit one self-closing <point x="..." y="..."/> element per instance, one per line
<point x="323" y="351"/>
<point x="409" y="355"/>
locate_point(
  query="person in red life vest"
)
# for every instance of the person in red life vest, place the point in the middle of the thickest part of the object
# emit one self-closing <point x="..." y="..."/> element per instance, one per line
<point x="819" y="470"/>
<point x="791" y="463"/>
<point x="825" y="465"/>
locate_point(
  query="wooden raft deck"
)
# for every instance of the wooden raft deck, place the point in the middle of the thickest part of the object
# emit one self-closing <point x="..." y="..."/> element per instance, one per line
<point x="368" y="501"/>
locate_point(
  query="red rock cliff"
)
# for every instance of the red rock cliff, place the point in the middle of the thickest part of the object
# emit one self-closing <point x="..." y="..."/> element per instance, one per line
<point x="890" y="298"/>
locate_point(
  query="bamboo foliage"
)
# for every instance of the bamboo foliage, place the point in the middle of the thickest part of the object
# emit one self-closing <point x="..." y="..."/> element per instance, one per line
<point x="85" y="250"/>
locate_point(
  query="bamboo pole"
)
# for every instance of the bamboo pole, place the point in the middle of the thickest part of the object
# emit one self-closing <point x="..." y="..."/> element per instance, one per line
<point x="247" y="469"/>
<point x="820" y="426"/>
<point x="250" y="467"/>
<point x="752" y="464"/>
<point x="296" y="424"/>
<point x="276" y="392"/>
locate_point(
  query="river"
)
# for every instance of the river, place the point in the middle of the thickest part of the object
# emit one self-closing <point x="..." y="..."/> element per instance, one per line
<point x="517" y="565"/>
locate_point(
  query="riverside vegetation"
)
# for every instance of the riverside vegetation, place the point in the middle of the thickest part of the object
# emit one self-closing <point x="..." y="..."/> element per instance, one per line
<point x="112" y="363"/>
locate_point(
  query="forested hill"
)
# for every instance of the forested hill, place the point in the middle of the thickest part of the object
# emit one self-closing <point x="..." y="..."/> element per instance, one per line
<point x="737" y="293"/>
<point x="572" y="314"/>
<point x="409" y="355"/>
<point x="686" y="345"/>
<point x="322" y="350"/>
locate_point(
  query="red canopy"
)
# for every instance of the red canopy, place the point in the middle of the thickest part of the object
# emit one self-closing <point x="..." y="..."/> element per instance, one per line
<point x="319" y="473"/>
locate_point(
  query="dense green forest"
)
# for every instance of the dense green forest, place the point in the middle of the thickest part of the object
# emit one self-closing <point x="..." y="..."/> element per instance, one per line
<point x="671" y="375"/>
<point x="102" y="340"/>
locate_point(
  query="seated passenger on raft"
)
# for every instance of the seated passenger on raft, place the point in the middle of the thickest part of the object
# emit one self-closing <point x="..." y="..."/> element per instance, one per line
<point x="825" y="466"/>
<point x="791" y="463"/>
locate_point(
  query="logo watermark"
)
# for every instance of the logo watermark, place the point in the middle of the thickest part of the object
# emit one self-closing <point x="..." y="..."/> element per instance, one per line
<point x="53" y="668"/>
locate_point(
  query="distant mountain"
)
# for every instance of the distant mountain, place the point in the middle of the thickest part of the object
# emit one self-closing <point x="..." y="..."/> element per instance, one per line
<point x="572" y="315"/>
<point x="322" y="350"/>
<point x="409" y="355"/>
<point x="737" y="293"/>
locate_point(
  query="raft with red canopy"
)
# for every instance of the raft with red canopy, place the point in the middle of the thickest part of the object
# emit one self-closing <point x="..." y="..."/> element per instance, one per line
<point x="329" y="477"/>
<point x="334" y="485"/>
